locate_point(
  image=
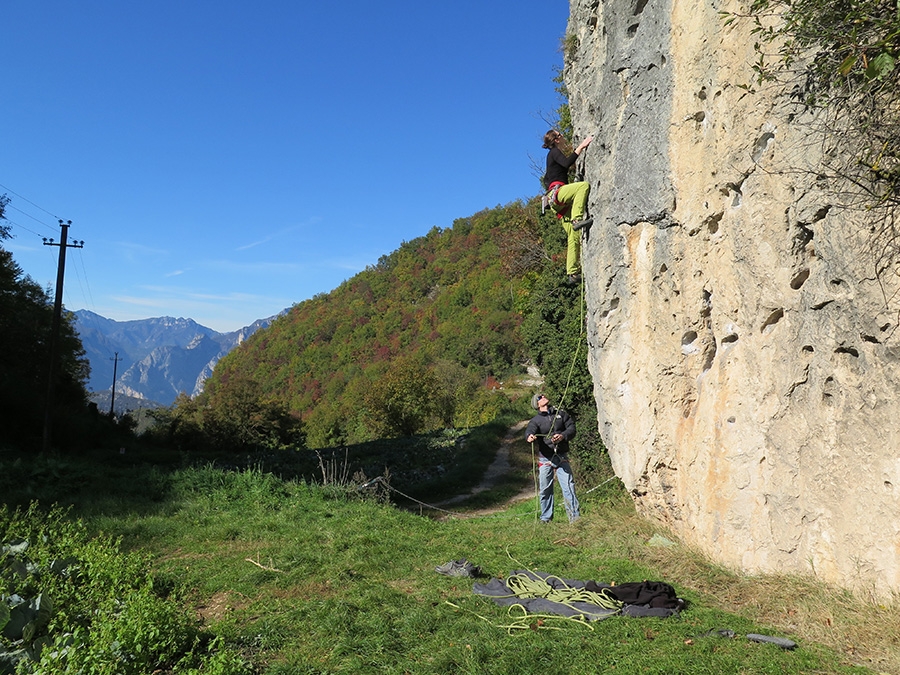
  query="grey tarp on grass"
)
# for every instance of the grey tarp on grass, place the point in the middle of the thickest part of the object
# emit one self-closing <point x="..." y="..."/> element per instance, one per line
<point x="498" y="591"/>
<point x="503" y="595"/>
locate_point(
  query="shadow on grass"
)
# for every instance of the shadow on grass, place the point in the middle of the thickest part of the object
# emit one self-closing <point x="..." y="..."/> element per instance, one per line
<point x="141" y="479"/>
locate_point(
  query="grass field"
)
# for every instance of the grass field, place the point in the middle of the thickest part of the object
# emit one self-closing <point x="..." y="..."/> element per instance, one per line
<point x="300" y="577"/>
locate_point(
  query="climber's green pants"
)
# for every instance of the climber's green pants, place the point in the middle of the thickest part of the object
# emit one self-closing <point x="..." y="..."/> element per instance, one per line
<point x="573" y="251"/>
<point x="573" y="195"/>
<point x="572" y="202"/>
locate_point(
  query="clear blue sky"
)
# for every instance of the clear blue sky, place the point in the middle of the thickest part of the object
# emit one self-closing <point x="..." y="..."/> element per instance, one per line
<point x="225" y="160"/>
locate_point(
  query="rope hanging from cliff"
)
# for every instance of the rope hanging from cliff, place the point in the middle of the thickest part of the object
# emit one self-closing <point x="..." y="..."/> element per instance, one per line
<point x="578" y="342"/>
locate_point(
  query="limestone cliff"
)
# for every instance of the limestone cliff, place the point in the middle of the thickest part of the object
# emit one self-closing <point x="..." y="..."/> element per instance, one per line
<point x="745" y="356"/>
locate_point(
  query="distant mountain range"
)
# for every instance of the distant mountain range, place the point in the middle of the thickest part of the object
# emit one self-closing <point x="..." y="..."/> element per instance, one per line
<point x="158" y="358"/>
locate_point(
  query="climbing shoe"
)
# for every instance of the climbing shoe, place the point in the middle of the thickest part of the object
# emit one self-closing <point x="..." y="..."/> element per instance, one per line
<point x="573" y="279"/>
<point x="582" y="224"/>
<point x="458" y="568"/>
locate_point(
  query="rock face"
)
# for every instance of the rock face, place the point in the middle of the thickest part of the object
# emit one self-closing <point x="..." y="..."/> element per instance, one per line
<point x="744" y="353"/>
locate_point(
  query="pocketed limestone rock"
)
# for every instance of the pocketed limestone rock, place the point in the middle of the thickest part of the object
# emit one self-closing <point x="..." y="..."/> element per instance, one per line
<point x="745" y="356"/>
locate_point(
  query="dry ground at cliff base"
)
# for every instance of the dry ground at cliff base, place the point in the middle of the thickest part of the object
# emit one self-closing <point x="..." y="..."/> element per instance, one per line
<point x="865" y="630"/>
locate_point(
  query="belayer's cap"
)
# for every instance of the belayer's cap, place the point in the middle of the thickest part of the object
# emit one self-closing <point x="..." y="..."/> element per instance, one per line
<point x="535" y="399"/>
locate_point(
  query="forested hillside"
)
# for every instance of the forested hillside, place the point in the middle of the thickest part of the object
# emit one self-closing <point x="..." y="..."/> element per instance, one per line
<point x="421" y="340"/>
<point x="427" y="324"/>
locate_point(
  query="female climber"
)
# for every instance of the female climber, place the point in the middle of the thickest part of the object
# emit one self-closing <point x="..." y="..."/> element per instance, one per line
<point x="568" y="200"/>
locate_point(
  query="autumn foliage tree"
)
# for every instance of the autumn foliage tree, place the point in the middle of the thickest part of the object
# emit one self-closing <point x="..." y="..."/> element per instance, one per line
<point x="407" y="345"/>
<point x="233" y="418"/>
<point x="405" y="400"/>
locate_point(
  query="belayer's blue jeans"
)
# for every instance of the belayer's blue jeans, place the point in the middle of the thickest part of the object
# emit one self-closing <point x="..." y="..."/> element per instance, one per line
<point x="559" y="465"/>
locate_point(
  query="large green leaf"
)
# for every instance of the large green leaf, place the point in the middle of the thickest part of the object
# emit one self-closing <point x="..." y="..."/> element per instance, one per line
<point x="880" y="66"/>
<point x="20" y="616"/>
<point x="42" y="608"/>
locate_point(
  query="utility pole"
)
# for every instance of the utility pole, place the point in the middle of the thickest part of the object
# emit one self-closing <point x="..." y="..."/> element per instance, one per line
<point x="112" y="398"/>
<point x="57" y="317"/>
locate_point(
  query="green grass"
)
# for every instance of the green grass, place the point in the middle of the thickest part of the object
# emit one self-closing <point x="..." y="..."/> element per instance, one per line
<point x="306" y="584"/>
<point x="304" y="578"/>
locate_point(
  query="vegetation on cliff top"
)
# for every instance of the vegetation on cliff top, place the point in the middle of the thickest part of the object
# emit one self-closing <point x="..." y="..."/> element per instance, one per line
<point x="839" y="59"/>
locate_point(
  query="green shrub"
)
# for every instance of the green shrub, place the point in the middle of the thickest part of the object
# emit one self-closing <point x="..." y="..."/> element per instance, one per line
<point x="72" y="603"/>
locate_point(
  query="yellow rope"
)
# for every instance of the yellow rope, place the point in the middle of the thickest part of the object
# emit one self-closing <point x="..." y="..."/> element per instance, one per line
<point x="531" y="585"/>
<point x="577" y="344"/>
<point x="526" y="586"/>
<point x="537" y="496"/>
<point x="528" y="621"/>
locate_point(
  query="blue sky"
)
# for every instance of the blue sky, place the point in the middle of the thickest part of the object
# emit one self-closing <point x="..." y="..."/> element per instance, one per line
<point x="225" y="160"/>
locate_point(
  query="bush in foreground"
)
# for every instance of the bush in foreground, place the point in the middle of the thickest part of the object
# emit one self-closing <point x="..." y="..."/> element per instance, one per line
<point x="71" y="603"/>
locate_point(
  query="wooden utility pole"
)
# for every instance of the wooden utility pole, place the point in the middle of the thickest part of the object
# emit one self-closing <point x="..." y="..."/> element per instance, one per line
<point x="57" y="317"/>
<point x="112" y="398"/>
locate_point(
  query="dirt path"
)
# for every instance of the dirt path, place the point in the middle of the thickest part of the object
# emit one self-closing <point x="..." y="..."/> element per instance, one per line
<point x="495" y="472"/>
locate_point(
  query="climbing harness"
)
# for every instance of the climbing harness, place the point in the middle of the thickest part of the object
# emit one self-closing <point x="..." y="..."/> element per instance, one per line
<point x="549" y="200"/>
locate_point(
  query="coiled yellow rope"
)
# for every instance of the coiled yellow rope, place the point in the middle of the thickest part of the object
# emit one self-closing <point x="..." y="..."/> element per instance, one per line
<point x="526" y="586"/>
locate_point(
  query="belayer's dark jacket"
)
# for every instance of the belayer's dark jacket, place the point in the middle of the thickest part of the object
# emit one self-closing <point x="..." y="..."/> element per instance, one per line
<point x="546" y="424"/>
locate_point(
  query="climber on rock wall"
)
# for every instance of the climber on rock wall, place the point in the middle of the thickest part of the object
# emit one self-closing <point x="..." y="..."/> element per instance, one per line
<point x="568" y="200"/>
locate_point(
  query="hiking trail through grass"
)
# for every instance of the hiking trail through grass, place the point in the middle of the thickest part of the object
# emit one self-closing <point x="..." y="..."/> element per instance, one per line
<point x="495" y="473"/>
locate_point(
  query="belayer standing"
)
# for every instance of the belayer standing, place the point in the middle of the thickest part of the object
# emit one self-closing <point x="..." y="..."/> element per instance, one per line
<point x="568" y="200"/>
<point x="552" y="429"/>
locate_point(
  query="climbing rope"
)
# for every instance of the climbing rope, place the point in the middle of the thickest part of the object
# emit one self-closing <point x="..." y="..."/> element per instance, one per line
<point x="537" y="496"/>
<point x="578" y="342"/>
<point x="526" y="621"/>
<point x="456" y="514"/>
<point x="601" y="484"/>
<point x="529" y="585"/>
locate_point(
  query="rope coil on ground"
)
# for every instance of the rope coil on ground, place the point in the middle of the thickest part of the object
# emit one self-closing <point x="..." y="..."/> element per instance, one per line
<point x="527" y="586"/>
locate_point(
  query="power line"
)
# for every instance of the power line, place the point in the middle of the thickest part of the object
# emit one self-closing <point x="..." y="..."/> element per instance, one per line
<point x="28" y="215"/>
<point x="48" y="226"/>
<point x="15" y="224"/>
<point x="90" y="296"/>
<point x="80" y="284"/>
<point x="10" y="190"/>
